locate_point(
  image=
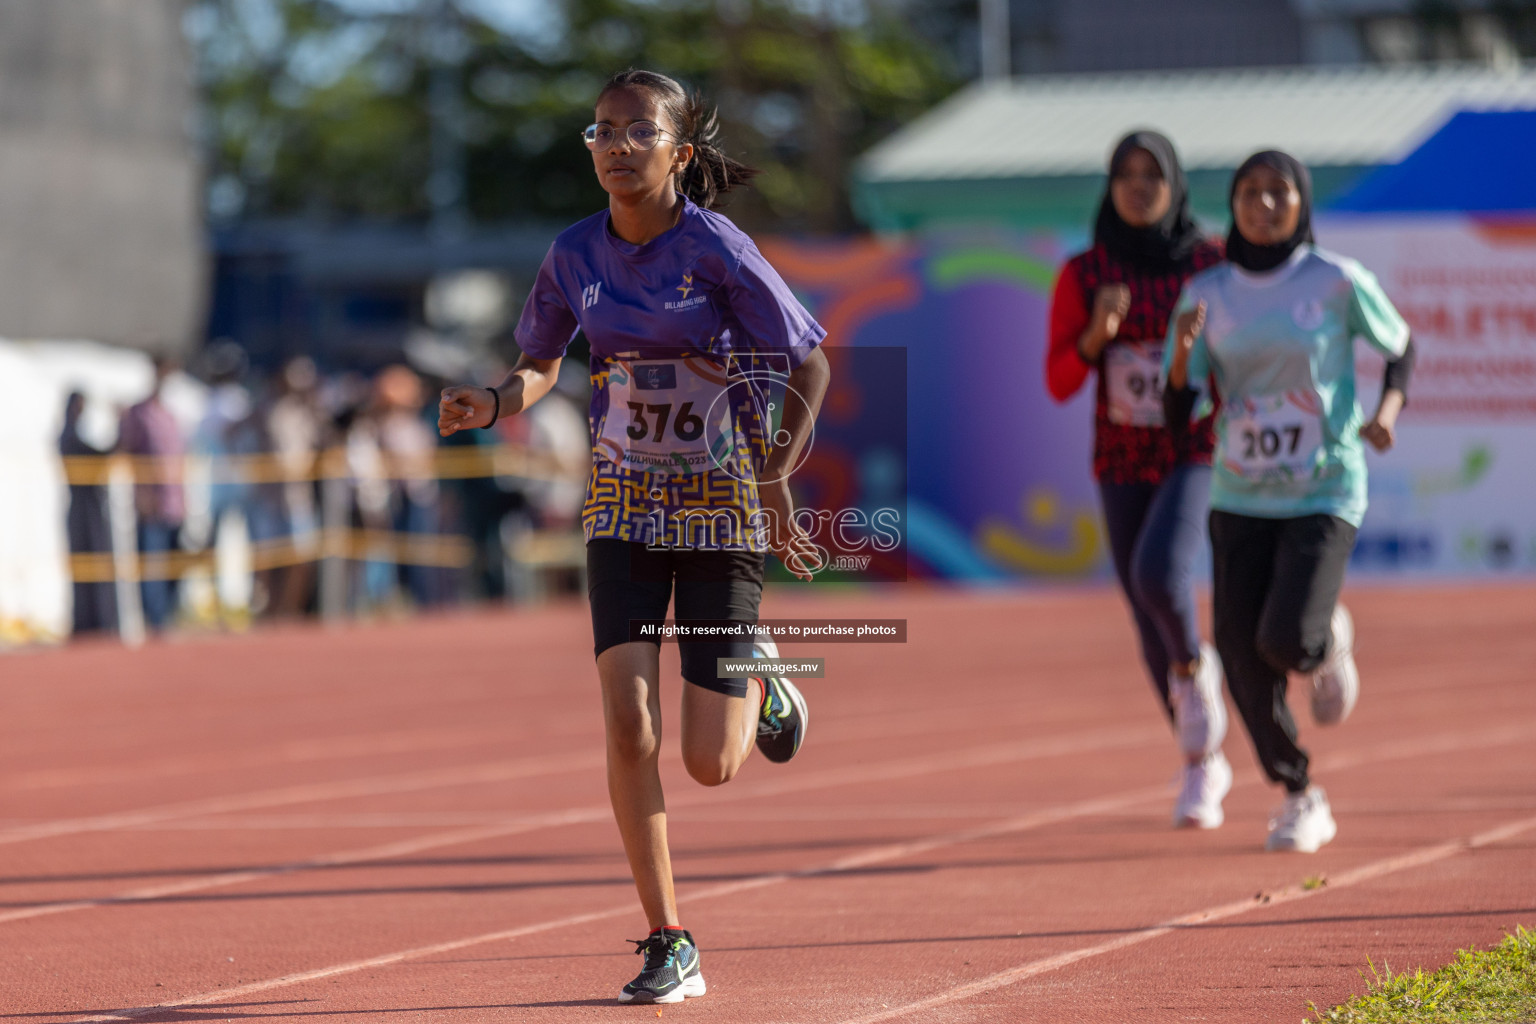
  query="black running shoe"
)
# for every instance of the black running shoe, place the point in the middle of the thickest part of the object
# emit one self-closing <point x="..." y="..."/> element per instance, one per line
<point x="782" y="717"/>
<point x="671" y="970"/>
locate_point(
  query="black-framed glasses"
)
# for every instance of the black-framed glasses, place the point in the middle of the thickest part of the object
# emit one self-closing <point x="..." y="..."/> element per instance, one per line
<point x="641" y="135"/>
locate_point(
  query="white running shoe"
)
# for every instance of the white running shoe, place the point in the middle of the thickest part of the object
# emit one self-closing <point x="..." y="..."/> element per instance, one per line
<point x="1206" y="783"/>
<point x="1303" y="823"/>
<point x="1199" y="713"/>
<point x="1336" y="683"/>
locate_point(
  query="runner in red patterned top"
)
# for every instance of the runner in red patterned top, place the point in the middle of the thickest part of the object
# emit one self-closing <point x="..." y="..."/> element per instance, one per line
<point x="1124" y="452"/>
<point x="1110" y="313"/>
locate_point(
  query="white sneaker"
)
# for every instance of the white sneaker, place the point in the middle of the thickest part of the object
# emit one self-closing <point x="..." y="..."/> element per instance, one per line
<point x="1199" y="714"/>
<point x="1336" y="683"/>
<point x="1303" y="823"/>
<point x="1205" y="784"/>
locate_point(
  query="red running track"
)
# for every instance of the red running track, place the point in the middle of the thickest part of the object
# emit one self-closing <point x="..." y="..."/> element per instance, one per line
<point x="409" y="822"/>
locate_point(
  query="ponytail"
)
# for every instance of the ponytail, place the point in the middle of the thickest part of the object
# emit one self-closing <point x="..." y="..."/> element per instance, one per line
<point x="710" y="173"/>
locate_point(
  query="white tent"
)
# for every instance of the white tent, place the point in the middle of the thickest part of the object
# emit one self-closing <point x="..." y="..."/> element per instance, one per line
<point x="35" y="378"/>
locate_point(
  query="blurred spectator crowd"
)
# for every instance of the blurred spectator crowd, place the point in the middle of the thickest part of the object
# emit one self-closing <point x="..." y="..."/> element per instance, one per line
<point x="302" y="493"/>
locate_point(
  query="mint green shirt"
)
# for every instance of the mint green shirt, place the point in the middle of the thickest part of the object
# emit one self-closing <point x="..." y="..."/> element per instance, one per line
<point x="1280" y="347"/>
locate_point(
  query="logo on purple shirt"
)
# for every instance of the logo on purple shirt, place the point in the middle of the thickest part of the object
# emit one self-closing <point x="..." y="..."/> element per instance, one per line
<point x="655" y="377"/>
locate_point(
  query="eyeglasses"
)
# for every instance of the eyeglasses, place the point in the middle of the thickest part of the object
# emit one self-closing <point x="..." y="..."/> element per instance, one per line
<point x="641" y="135"/>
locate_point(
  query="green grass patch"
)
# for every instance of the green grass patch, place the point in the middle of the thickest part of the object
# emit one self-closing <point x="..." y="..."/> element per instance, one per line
<point x="1480" y="985"/>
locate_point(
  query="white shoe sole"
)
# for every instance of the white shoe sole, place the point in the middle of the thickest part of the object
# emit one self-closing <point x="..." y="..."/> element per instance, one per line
<point x="1336" y="686"/>
<point x="1292" y="844"/>
<point x="691" y="987"/>
<point x="1213" y="816"/>
<point x="1207" y="690"/>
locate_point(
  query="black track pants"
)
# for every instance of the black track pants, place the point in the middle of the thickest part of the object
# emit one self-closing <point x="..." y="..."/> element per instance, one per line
<point x="1276" y="584"/>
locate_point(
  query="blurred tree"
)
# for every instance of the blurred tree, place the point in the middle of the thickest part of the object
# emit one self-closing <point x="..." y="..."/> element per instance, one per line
<point x="327" y="107"/>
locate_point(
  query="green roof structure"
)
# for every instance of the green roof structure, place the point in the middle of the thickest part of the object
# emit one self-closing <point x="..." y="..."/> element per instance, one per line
<point x="1031" y="152"/>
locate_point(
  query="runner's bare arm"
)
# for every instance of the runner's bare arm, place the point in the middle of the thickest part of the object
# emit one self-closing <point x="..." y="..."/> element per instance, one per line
<point x="1110" y="304"/>
<point x="1190" y="323"/>
<point x="1381" y="431"/>
<point x="808" y="381"/>
<point x="468" y="406"/>
<point x="807" y="386"/>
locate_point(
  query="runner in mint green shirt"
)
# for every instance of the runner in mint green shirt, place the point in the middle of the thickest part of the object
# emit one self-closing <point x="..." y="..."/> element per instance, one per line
<point x="1280" y="348"/>
<point x="1272" y="332"/>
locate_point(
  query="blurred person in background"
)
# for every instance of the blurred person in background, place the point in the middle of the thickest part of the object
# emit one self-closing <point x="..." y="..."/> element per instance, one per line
<point x="1274" y="331"/>
<point x="557" y="430"/>
<point x="89" y="527"/>
<point x="555" y="436"/>
<point x="231" y="431"/>
<point x="480" y="505"/>
<point x="368" y="479"/>
<point x="220" y="432"/>
<point x="295" y="427"/>
<point x="659" y="279"/>
<point x="1109" y="314"/>
<point x="150" y="432"/>
<point x="409" y="445"/>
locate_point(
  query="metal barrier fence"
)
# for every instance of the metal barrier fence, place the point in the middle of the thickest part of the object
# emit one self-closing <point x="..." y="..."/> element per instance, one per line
<point x="334" y="543"/>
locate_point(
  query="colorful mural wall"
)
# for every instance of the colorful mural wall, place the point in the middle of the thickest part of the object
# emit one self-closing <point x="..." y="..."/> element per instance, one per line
<point x="1457" y="496"/>
<point x="998" y="477"/>
<point x="998" y="482"/>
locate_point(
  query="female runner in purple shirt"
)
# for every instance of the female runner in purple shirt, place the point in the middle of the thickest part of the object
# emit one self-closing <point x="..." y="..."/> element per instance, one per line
<point x="689" y="327"/>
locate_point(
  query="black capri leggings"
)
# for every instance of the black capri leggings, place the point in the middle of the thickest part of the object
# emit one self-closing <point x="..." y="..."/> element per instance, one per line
<point x="1276" y="583"/>
<point x="630" y="584"/>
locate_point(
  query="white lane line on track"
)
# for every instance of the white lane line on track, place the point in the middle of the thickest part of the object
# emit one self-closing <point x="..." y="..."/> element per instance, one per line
<point x="1355" y="876"/>
<point x="385" y="851"/>
<point x="874" y="855"/>
<point x="497" y="771"/>
<point x="297" y="751"/>
<point x="1445" y="743"/>
<point x="863" y="811"/>
<point x="1086" y="742"/>
<point x="340" y="747"/>
<point x="1426" y="746"/>
<point x="378" y="785"/>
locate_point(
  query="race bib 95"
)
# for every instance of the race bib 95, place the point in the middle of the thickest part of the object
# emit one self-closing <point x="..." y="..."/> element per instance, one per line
<point x="1133" y="383"/>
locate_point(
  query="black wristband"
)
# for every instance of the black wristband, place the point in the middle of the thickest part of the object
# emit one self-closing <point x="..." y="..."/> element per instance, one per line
<point x="1178" y="404"/>
<point x="495" y="413"/>
<point x="1400" y="372"/>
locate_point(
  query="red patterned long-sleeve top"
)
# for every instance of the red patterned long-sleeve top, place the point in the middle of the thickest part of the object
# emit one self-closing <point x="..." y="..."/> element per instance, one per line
<point x="1131" y="442"/>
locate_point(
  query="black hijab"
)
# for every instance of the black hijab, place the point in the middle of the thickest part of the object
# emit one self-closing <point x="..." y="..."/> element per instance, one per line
<point x="1260" y="258"/>
<point x="1156" y="247"/>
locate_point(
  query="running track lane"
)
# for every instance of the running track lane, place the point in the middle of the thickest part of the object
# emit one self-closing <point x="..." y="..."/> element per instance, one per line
<point x="891" y="852"/>
<point x="897" y="913"/>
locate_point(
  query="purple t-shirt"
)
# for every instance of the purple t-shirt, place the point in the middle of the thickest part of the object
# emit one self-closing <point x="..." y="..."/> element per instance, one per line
<point x="701" y="288"/>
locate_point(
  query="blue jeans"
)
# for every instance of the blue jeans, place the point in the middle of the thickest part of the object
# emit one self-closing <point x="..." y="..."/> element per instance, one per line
<point x="158" y="596"/>
<point x="1155" y="536"/>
